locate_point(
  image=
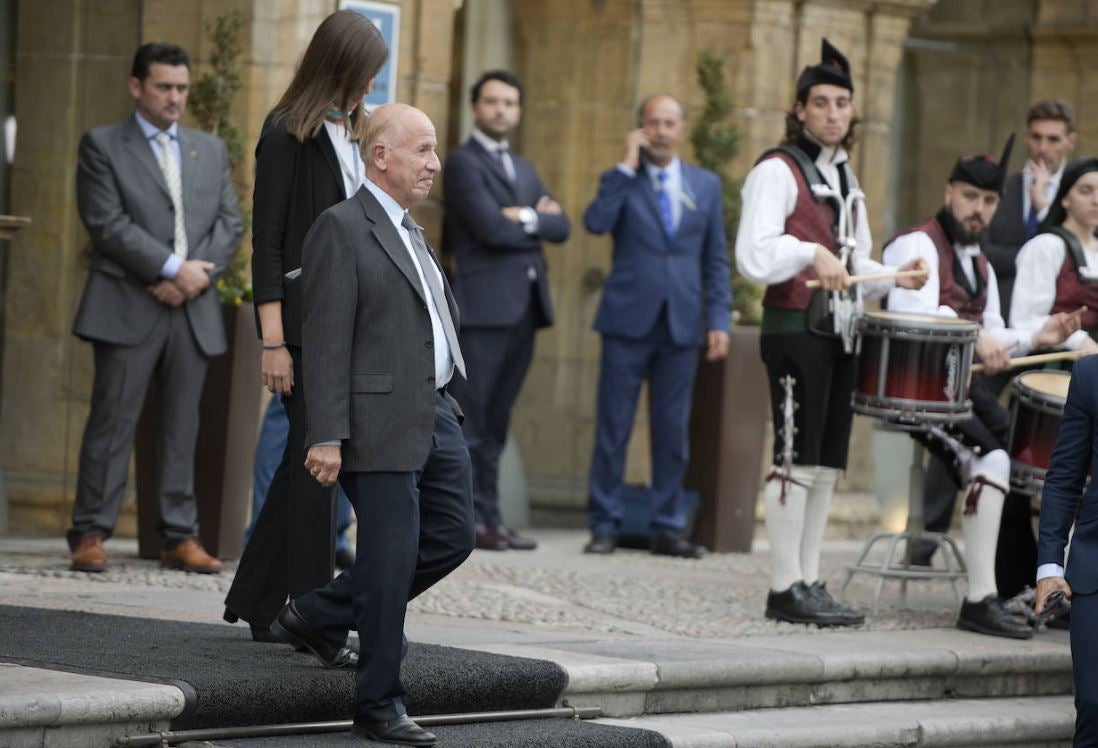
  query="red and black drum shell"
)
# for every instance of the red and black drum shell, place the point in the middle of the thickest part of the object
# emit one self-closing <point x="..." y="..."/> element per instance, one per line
<point x="1036" y="408"/>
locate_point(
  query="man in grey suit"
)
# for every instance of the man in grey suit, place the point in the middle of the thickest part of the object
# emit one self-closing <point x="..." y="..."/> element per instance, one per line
<point x="380" y="348"/>
<point x="158" y="203"/>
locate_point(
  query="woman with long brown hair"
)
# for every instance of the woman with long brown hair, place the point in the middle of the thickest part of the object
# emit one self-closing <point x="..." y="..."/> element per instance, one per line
<point x="307" y="159"/>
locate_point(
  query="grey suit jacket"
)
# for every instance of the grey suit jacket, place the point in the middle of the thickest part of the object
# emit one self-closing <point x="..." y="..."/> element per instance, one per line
<point x="367" y="342"/>
<point x="1005" y="236"/>
<point x="126" y="207"/>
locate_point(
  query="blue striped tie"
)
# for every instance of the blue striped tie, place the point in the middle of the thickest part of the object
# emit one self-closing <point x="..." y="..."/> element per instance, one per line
<point x="665" y="205"/>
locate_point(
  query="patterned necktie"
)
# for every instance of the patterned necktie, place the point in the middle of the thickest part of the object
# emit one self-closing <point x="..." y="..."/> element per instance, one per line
<point x="430" y="274"/>
<point x="170" y="167"/>
<point x="665" y="205"/>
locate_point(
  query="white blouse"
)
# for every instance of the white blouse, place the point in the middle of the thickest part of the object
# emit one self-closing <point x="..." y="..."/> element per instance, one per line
<point x="1038" y="264"/>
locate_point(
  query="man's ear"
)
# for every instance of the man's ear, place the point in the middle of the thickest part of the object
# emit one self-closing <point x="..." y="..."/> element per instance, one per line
<point x="134" y="85"/>
<point x="798" y="111"/>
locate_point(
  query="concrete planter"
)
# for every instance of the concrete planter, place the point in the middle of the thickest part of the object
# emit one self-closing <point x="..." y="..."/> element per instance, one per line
<point x="727" y="432"/>
<point x="229" y="412"/>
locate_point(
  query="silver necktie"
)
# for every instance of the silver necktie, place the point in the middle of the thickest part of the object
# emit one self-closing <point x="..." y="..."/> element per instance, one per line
<point x="170" y="167"/>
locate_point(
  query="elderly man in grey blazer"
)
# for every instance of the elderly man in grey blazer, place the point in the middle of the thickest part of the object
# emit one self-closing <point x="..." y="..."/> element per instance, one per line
<point x="158" y="203"/>
<point x="380" y="347"/>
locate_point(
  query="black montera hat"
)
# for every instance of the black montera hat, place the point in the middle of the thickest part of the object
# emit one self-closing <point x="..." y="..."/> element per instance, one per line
<point x="983" y="171"/>
<point x="834" y="68"/>
<point x="1072" y="172"/>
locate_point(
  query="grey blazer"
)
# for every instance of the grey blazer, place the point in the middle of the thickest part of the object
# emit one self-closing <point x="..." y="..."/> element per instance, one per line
<point x="1006" y="235"/>
<point x="367" y="343"/>
<point x="126" y="207"/>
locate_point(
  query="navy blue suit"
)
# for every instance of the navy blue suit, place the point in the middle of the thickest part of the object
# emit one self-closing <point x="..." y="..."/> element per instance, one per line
<point x="663" y="294"/>
<point x="502" y="289"/>
<point x="1062" y="503"/>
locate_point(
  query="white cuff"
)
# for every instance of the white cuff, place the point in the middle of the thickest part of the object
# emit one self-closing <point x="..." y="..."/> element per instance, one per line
<point x="627" y="171"/>
<point x="1049" y="570"/>
<point x="171" y="266"/>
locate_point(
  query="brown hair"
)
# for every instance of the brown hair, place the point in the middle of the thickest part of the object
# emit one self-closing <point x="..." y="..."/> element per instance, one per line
<point x="794" y="128"/>
<point x="1055" y="109"/>
<point x="344" y="55"/>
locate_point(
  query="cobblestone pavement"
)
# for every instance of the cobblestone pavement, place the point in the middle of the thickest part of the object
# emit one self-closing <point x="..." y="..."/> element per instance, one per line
<point x="630" y="593"/>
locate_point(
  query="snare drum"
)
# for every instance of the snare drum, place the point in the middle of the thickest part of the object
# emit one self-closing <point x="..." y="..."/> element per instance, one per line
<point x="1036" y="406"/>
<point x="914" y="368"/>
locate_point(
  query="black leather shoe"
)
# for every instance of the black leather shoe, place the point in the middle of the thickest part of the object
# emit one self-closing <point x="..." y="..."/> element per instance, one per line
<point x="670" y="544"/>
<point x="344" y="558"/>
<point x="988" y="616"/>
<point x="259" y="633"/>
<point x="399" y="731"/>
<point x="517" y="542"/>
<point x="848" y="616"/>
<point x="798" y="605"/>
<point x="291" y="628"/>
<point x="601" y="544"/>
<point x="491" y="539"/>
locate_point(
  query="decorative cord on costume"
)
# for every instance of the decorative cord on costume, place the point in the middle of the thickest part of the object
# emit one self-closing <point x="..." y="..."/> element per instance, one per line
<point x="975" y="488"/>
<point x="784" y="473"/>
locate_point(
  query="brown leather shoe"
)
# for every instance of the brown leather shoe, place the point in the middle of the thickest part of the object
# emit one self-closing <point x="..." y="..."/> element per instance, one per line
<point x="88" y="555"/>
<point x="190" y="556"/>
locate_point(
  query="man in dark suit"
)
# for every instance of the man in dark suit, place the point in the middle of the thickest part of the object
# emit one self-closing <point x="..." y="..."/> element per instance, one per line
<point x="158" y="203"/>
<point x="497" y="214"/>
<point x="380" y="347"/>
<point x="668" y="292"/>
<point x="1068" y="499"/>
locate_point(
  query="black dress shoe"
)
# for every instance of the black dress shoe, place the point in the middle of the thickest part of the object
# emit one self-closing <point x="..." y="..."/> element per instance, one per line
<point x="848" y="616"/>
<point x="491" y="539"/>
<point x="601" y="544"/>
<point x="399" y="731"/>
<point x="670" y="544"/>
<point x="798" y="605"/>
<point x="989" y="616"/>
<point x="517" y="542"/>
<point x="259" y="633"/>
<point x="291" y="628"/>
<point x="344" y="558"/>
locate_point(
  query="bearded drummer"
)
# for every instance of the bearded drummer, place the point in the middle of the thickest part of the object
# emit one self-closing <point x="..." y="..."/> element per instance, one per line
<point x="786" y="237"/>
<point x="962" y="284"/>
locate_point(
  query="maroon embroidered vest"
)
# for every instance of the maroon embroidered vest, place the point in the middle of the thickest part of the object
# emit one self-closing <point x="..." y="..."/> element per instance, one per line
<point x="1072" y="291"/>
<point x="811" y="221"/>
<point x="951" y="292"/>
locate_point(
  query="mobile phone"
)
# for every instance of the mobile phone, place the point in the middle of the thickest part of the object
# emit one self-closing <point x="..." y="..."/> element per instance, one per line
<point x="1054" y="605"/>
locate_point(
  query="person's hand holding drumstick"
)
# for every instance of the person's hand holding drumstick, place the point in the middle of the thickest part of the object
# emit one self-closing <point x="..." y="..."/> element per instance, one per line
<point x="1058" y="327"/>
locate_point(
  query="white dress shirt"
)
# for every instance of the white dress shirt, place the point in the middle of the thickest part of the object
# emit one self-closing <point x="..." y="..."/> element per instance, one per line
<point x="444" y="361"/>
<point x="348" y="155"/>
<point x="1050" y="193"/>
<point x="150" y="131"/>
<point x="1038" y="264"/>
<point x="927" y="299"/>
<point x="765" y="253"/>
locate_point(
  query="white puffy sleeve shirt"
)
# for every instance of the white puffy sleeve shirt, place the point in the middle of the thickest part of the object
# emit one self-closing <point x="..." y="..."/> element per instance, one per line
<point x="1038" y="264"/>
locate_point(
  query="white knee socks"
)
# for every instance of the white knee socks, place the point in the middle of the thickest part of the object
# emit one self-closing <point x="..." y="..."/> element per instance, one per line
<point x="980" y="522"/>
<point x="815" y="521"/>
<point x="785" y="524"/>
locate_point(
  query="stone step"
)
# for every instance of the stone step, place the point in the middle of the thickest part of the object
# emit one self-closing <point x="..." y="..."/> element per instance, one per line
<point x="1043" y="721"/>
<point x="630" y="677"/>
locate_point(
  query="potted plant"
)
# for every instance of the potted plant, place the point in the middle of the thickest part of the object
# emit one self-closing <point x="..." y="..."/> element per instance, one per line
<point x="731" y="397"/>
<point x="231" y="399"/>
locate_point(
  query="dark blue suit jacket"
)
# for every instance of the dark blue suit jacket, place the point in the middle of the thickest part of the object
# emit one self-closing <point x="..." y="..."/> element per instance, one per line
<point x="1075" y="454"/>
<point x="687" y="272"/>
<point x="494" y="255"/>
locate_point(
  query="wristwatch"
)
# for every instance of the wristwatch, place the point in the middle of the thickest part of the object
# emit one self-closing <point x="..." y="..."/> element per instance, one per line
<point x="527" y="215"/>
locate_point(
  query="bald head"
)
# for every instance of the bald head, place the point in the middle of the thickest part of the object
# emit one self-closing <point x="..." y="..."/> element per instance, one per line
<point x="663" y="121"/>
<point x="400" y="152"/>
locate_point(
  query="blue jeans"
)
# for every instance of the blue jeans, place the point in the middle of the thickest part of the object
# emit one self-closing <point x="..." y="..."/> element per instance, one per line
<point x="268" y="454"/>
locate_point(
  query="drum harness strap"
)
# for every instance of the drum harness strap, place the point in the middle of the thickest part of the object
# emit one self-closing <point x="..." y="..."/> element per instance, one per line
<point x="784" y="473"/>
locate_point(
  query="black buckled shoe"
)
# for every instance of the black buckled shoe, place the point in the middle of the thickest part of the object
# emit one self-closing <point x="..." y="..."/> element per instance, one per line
<point x="291" y="628"/>
<point x="798" y="605"/>
<point x="989" y="616"/>
<point x="399" y="731"/>
<point x="848" y="616"/>
<point x="671" y="544"/>
<point x="601" y="545"/>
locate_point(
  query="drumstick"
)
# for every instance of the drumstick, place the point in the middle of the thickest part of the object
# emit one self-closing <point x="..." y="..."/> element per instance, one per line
<point x="1039" y="358"/>
<point x="874" y="277"/>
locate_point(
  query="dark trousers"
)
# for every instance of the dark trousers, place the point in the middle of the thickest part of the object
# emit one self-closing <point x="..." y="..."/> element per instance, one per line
<point x="497" y="359"/>
<point x="1084" y="667"/>
<point x="414" y="528"/>
<point x="122" y="376"/>
<point x="670" y="370"/>
<point x="291" y="548"/>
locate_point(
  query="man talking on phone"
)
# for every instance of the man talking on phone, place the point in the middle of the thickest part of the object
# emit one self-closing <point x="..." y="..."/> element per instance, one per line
<point x="668" y="293"/>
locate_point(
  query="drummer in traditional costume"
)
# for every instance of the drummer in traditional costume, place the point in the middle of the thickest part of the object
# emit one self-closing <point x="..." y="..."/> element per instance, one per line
<point x="787" y="236"/>
<point x="962" y="284"/>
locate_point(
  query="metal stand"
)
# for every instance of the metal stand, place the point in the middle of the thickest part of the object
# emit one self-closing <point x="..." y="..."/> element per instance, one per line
<point x="898" y="565"/>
